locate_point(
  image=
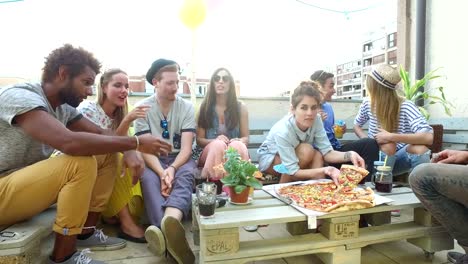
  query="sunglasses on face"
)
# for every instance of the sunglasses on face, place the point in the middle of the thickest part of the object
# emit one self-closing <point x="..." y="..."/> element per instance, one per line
<point x="225" y="78"/>
<point x="164" y="125"/>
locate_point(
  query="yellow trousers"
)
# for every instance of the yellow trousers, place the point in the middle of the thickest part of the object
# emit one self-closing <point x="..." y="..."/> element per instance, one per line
<point x="125" y="193"/>
<point x="77" y="184"/>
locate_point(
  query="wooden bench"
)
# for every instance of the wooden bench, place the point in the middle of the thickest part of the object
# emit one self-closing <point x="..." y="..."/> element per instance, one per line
<point x="340" y="239"/>
<point x="455" y="132"/>
<point x="20" y="243"/>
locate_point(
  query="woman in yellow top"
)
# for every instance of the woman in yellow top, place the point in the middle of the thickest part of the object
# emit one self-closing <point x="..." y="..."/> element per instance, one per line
<point x="110" y="112"/>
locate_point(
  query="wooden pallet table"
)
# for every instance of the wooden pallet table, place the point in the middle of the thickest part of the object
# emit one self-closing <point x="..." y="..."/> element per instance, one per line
<point x="340" y="239"/>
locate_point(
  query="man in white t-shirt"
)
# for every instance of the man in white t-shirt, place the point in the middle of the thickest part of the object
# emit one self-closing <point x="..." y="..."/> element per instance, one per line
<point x="167" y="181"/>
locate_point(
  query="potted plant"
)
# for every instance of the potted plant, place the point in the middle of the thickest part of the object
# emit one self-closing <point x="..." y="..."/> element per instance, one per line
<point x="411" y="92"/>
<point x="241" y="176"/>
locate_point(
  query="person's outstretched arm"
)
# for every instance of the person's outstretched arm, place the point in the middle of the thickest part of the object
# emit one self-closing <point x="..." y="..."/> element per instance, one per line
<point x="41" y="126"/>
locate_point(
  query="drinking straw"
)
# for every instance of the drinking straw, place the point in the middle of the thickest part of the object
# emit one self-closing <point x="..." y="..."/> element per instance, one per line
<point x="384" y="163"/>
<point x="381" y="176"/>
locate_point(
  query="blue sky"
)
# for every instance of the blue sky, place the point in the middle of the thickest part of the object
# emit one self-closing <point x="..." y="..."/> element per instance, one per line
<point x="269" y="45"/>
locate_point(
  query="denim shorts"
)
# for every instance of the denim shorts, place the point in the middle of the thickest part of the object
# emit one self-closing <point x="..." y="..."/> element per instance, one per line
<point x="403" y="162"/>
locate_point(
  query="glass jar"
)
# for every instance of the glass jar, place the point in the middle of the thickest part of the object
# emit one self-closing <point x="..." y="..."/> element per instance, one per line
<point x="376" y="164"/>
<point x="206" y="198"/>
<point x="383" y="179"/>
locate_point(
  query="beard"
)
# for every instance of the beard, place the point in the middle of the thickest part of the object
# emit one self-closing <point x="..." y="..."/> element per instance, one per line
<point x="68" y="96"/>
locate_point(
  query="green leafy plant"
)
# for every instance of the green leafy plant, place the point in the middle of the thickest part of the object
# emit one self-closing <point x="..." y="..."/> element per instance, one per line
<point x="240" y="173"/>
<point x="411" y="92"/>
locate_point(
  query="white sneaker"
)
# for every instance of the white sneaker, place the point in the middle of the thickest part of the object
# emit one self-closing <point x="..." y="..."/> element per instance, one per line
<point x="177" y="244"/>
<point x="80" y="257"/>
<point x="156" y="241"/>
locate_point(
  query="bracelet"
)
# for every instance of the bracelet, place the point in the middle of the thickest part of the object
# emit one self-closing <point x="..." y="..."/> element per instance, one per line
<point x="137" y="142"/>
<point x="175" y="169"/>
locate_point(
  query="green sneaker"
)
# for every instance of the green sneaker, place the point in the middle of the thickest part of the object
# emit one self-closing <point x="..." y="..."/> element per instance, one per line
<point x="99" y="241"/>
<point x="176" y="242"/>
<point x="155" y="239"/>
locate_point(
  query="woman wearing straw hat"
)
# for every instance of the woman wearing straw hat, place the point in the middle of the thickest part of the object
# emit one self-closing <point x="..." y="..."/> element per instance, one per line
<point x="399" y="128"/>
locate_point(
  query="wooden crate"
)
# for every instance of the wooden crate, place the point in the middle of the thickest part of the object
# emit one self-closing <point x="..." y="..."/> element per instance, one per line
<point x="339" y="241"/>
<point x="341" y="227"/>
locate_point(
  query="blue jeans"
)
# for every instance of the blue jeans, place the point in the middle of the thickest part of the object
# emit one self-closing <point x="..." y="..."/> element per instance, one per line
<point x="442" y="189"/>
<point x="403" y="162"/>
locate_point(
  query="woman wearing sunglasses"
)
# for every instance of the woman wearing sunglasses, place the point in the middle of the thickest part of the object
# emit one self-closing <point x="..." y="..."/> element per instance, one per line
<point x="223" y="122"/>
<point x="110" y="112"/>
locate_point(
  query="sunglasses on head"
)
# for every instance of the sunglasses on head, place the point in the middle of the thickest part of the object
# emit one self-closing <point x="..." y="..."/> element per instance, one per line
<point x="164" y="125"/>
<point x="318" y="78"/>
<point x="225" y="78"/>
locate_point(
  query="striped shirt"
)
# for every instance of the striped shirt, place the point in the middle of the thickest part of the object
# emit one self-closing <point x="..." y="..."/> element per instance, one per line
<point x="410" y="122"/>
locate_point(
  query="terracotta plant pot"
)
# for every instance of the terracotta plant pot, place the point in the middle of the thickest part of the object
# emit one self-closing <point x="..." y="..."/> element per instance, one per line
<point x="242" y="197"/>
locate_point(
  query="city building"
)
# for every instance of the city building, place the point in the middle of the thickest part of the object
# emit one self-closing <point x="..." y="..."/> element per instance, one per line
<point x="380" y="46"/>
<point x="201" y="85"/>
<point x="348" y="81"/>
<point x="140" y="85"/>
<point x="137" y="83"/>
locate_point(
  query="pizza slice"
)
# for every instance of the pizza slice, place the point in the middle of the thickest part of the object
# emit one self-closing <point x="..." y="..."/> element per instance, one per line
<point x="350" y="176"/>
<point x="349" y="206"/>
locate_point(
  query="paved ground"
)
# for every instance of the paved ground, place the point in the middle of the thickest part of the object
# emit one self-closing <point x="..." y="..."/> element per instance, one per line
<point x="385" y="253"/>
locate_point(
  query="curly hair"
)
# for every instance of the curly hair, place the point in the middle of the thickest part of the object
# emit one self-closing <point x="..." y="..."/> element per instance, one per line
<point x="75" y="59"/>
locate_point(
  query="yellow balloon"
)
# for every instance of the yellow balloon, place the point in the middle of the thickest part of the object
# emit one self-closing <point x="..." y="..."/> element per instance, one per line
<point x="193" y="13"/>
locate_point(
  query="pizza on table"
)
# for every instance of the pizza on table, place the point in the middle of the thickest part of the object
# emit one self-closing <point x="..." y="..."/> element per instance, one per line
<point x="327" y="197"/>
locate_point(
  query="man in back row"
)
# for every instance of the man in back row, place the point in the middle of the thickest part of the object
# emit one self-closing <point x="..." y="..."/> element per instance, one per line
<point x="366" y="147"/>
<point x="35" y="119"/>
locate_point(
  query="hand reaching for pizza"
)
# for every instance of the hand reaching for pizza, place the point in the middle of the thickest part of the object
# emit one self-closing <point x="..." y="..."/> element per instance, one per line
<point x="357" y="160"/>
<point x="326" y="196"/>
<point x="333" y="173"/>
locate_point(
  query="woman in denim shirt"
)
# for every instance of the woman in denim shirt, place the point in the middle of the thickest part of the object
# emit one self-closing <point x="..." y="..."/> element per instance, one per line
<point x="223" y="122"/>
<point x="290" y="142"/>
